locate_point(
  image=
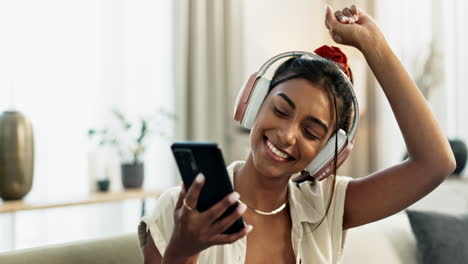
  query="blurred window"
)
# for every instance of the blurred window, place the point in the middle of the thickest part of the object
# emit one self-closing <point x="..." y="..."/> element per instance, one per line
<point x="65" y="64"/>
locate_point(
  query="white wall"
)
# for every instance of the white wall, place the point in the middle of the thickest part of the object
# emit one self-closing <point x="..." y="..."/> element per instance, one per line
<point x="273" y="27"/>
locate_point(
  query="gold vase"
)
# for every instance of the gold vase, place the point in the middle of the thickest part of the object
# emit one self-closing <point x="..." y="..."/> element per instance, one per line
<point x="16" y="155"/>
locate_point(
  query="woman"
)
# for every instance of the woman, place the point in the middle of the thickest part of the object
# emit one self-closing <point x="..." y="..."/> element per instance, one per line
<point x="292" y="222"/>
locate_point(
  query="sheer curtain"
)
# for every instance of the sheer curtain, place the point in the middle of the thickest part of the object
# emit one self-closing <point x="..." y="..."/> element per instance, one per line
<point x="453" y="33"/>
<point x="66" y="65"/>
<point x="208" y="65"/>
<point x="411" y="27"/>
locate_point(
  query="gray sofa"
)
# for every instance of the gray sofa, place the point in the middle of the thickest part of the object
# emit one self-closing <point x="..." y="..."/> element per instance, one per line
<point x="390" y="240"/>
<point x="113" y="250"/>
<point x="387" y="241"/>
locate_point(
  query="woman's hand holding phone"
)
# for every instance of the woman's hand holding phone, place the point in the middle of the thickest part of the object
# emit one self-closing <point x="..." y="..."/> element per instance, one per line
<point x="195" y="231"/>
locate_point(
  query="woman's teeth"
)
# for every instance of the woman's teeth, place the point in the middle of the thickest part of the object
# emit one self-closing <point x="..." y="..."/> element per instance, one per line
<point x="277" y="151"/>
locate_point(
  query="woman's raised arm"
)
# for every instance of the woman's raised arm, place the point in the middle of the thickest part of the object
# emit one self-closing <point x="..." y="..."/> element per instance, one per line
<point x="430" y="161"/>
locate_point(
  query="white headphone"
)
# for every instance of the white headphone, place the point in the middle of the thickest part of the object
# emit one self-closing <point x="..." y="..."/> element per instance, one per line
<point x="255" y="90"/>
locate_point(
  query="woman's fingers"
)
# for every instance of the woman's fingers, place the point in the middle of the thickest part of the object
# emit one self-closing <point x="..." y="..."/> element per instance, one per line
<point x="345" y="16"/>
<point x="181" y="198"/>
<point x="222" y="239"/>
<point x="191" y="199"/>
<point x="341" y="17"/>
<point x="222" y="224"/>
<point x="355" y="11"/>
<point x="333" y="24"/>
<point x="348" y="15"/>
<point x="347" y="12"/>
<point x="349" y="26"/>
<point x="219" y="208"/>
<point x="330" y="19"/>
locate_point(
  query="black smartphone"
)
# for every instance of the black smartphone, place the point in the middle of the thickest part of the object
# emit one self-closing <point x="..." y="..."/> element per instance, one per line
<point x="206" y="157"/>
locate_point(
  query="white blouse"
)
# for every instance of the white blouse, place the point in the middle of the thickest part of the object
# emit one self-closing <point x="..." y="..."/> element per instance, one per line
<point x="307" y="203"/>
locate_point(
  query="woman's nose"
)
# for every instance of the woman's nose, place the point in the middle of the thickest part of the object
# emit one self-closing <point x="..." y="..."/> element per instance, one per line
<point x="287" y="136"/>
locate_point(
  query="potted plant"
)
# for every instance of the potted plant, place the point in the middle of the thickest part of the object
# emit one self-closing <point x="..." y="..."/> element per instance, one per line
<point x="130" y="140"/>
<point x="132" y="166"/>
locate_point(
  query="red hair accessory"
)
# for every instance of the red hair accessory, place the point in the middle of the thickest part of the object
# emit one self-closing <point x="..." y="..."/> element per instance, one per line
<point x="335" y="54"/>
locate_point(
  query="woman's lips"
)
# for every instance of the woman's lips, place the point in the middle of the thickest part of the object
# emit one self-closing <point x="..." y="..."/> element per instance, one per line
<point x="272" y="154"/>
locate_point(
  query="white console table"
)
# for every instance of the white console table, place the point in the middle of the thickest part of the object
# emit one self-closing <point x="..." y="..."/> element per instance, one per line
<point x="31" y="222"/>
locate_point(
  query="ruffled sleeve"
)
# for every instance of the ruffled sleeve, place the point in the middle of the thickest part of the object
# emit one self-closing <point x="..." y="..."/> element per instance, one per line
<point x="336" y="213"/>
<point x="161" y="222"/>
<point x="323" y="241"/>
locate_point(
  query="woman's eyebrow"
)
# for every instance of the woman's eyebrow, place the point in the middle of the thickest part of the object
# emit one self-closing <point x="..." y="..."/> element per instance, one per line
<point x="310" y="118"/>
<point x="319" y="122"/>
<point x="287" y="99"/>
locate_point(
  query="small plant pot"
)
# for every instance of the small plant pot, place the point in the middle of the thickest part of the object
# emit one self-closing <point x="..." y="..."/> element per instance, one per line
<point x="103" y="185"/>
<point x="132" y="175"/>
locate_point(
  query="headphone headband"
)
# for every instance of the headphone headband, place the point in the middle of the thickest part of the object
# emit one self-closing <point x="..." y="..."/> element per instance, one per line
<point x="271" y="61"/>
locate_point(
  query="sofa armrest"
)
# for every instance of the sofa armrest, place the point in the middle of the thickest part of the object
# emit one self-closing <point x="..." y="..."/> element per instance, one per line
<point x="390" y="240"/>
<point x="112" y="250"/>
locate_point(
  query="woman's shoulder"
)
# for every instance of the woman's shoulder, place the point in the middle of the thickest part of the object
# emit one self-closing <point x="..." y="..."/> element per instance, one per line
<point x="340" y="182"/>
<point x="160" y="220"/>
<point x="319" y="187"/>
<point x="310" y="201"/>
<point x="169" y="196"/>
<point x="315" y="195"/>
<point x="166" y="202"/>
<point x="170" y="193"/>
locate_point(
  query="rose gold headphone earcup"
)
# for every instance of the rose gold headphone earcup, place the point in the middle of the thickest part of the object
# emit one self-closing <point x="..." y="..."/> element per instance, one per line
<point x="243" y="98"/>
<point x="258" y="95"/>
<point x="319" y="167"/>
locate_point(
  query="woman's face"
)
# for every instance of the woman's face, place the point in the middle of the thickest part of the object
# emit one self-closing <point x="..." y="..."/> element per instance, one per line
<point x="293" y="124"/>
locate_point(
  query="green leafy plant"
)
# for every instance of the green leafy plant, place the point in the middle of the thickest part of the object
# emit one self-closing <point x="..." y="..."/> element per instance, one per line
<point x="129" y="138"/>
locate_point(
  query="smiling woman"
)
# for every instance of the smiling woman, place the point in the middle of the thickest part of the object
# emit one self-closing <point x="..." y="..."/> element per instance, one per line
<point x="297" y="120"/>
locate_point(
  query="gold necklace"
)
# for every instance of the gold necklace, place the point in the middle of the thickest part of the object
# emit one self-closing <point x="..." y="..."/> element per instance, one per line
<point x="279" y="209"/>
